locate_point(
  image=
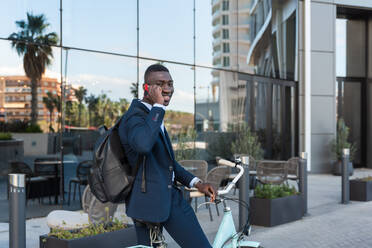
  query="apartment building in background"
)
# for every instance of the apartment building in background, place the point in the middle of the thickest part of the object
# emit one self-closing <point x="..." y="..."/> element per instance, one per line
<point x="230" y="21"/>
<point x="15" y="97"/>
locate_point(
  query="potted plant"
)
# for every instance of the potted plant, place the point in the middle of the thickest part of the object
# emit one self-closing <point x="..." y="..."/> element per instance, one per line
<point x="361" y="189"/>
<point x="111" y="234"/>
<point x="273" y="205"/>
<point x="247" y="142"/>
<point x="338" y="145"/>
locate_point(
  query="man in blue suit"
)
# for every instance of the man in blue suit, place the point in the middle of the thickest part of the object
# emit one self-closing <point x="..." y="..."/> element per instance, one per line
<point x="155" y="199"/>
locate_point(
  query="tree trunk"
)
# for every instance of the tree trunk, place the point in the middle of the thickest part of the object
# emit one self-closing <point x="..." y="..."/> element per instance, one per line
<point x="50" y="120"/>
<point x="34" y="101"/>
<point x="79" y="115"/>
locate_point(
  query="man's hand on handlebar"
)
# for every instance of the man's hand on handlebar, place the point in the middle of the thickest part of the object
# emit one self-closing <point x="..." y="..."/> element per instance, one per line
<point x="206" y="189"/>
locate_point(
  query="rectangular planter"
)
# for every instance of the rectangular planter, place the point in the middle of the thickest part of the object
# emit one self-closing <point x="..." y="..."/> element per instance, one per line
<point x="121" y="238"/>
<point x="272" y="212"/>
<point x="360" y="190"/>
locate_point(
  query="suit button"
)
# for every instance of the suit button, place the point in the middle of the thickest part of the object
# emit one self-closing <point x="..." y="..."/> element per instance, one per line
<point x="169" y="186"/>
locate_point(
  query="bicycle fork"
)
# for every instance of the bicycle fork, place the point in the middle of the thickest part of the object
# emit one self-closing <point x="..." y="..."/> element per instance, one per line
<point x="227" y="231"/>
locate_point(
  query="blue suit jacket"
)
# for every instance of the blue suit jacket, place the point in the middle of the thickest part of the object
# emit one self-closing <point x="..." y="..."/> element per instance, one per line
<point x="141" y="135"/>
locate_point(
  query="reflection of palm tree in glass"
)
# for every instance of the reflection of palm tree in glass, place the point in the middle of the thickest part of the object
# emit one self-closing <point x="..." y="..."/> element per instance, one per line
<point x="49" y="103"/>
<point x="92" y="102"/>
<point x="134" y="90"/>
<point x="80" y="94"/>
<point x="35" y="47"/>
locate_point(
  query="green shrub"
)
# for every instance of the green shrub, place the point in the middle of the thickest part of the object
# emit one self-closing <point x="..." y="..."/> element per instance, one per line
<point x="268" y="191"/>
<point x="90" y="230"/>
<point x="219" y="144"/>
<point x="247" y="142"/>
<point x="5" y="136"/>
<point x="185" y="149"/>
<point x="17" y="126"/>
<point x="33" y="128"/>
<point x="341" y="141"/>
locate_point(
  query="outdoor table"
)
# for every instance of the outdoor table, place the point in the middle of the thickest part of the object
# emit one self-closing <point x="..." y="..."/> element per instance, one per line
<point x="61" y="172"/>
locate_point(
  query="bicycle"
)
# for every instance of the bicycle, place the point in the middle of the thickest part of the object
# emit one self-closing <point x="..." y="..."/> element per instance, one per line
<point x="227" y="236"/>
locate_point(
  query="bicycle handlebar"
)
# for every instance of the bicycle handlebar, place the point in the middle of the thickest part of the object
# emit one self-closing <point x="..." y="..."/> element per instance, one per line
<point x="236" y="178"/>
<point x="226" y="162"/>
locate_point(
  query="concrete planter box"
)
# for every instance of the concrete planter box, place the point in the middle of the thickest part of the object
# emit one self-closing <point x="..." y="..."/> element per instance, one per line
<point x="360" y="190"/>
<point x="10" y="150"/>
<point x="34" y="143"/>
<point x="121" y="238"/>
<point x="272" y="212"/>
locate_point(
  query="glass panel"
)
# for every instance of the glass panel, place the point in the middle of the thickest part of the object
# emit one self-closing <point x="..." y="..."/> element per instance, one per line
<point x="207" y="101"/>
<point x="351" y="112"/>
<point x="16" y="10"/>
<point x="355" y="48"/>
<point x="167" y="33"/>
<point x="341" y="47"/>
<point x="273" y="43"/>
<point x="205" y="40"/>
<point x="101" y="26"/>
<point x="31" y="143"/>
<point x="107" y="81"/>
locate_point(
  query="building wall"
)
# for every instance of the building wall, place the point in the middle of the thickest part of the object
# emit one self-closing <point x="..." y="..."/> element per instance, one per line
<point x="15" y="96"/>
<point x="323" y="77"/>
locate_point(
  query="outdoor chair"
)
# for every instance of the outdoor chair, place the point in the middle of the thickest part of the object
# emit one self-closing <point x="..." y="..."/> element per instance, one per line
<point x="82" y="172"/>
<point x="293" y="165"/>
<point x="215" y="178"/>
<point x="199" y="169"/>
<point x="271" y="171"/>
<point x="35" y="185"/>
<point x="48" y="167"/>
<point x="233" y="174"/>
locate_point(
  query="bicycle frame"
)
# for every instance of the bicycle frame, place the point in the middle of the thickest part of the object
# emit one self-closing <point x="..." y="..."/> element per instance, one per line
<point x="227" y="230"/>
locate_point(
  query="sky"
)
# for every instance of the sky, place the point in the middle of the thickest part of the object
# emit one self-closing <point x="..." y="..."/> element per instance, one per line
<point x="166" y="33"/>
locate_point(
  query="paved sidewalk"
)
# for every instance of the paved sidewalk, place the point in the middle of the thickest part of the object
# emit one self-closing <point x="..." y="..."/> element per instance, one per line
<point x="329" y="223"/>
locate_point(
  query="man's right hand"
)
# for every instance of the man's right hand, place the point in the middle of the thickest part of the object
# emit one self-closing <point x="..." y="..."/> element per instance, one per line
<point x="155" y="94"/>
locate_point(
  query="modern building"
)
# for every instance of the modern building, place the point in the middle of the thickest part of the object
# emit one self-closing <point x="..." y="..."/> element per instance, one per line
<point x="231" y="30"/>
<point x="312" y="64"/>
<point x="15" y="97"/>
<point x="340" y="69"/>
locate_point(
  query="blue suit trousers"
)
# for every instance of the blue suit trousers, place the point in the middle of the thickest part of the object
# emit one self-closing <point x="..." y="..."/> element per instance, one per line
<point x="181" y="224"/>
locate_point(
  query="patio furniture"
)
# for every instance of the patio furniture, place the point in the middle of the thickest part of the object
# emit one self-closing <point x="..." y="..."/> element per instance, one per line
<point x="36" y="186"/>
<point x="214" y="177"/>
<point x="48" y="167"/>
<point x="199" y="169"/>
<point x="252" y="169"/>
<point x="82" y="172"/>
<point x="271" y="171"/>
<point x="293" y="165"/>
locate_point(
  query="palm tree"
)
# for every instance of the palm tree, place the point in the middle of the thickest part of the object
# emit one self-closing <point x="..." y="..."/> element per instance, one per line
<point x="34" y="45"/>
<point x="80" y="93"/>
<point x="49" y="102"/>
<point x="134" y="90"/>
<point x="92" y="102"/>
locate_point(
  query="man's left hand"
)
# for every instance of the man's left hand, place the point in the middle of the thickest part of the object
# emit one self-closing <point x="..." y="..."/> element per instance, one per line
<point x="206" y="189"/>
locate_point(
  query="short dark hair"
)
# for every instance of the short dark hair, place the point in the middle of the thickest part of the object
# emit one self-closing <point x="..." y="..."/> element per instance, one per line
<point x="154" y="68"/>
